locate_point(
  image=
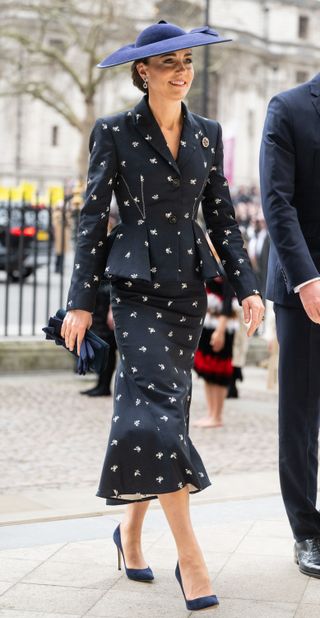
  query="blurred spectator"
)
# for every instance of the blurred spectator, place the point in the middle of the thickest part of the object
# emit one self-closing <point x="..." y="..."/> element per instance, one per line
<point x="239" y="354"/>
<point x="61" y="223"/>
<point x="213" y="358"/>
<point x="258" y="250"/>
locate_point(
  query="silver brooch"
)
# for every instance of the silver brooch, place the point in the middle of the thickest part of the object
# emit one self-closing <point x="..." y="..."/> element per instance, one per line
<point x="205" y="142"/>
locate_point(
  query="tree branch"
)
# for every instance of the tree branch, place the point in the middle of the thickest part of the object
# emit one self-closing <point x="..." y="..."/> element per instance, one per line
<point x="49" y="52"/>
<point x="43" y="92"/>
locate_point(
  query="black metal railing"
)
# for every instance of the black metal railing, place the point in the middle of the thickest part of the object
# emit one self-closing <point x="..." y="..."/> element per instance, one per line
<point x="36" y="254"/>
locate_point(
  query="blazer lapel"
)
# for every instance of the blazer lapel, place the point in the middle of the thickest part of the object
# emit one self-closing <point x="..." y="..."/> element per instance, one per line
<point x="148" y="127"/>
<point x="191" y="137"/>
<point x="315" y="92"/>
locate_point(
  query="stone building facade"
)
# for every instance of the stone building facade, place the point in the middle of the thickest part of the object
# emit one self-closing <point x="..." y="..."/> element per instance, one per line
<point x="275" y="46"/>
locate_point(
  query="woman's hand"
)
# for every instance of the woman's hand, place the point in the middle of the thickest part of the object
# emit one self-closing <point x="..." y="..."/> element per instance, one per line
<point x="253" y="312"/>
<point x="217" y="340"/>
<point x="74" y="327"/>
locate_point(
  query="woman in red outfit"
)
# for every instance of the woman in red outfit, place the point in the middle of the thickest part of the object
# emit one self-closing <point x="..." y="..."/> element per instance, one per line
<point x="213" y="358"/>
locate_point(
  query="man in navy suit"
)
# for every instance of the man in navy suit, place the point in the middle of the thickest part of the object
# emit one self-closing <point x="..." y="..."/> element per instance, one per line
<point x="290" y="188"/>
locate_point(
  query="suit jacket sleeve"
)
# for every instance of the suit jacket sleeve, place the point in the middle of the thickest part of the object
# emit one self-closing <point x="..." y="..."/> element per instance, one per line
<point x="228" y="296"/>
<point x="223" y="229"/>
<point x="277" y="173"/>
<point x="91" y="249"/>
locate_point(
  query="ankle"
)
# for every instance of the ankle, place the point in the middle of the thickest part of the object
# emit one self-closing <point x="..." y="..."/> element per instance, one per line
<point x="130" y="530"/>
<point x="191" y="557"/>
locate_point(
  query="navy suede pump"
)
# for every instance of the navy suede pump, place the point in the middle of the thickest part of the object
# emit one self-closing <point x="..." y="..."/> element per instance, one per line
<point x="138" y="575"/>
<point x="200" y="602"/>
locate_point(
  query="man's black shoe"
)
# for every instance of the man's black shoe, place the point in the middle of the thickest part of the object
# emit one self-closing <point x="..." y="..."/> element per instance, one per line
<point x="99" y="391"/>
<point x="88" y="391"/>
<point x="307" y="556"/>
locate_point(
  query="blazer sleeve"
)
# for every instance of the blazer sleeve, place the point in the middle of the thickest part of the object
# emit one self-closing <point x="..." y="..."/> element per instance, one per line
<point x="277" y="174"/>
<point x="223" y="230"/>
<point x="228" y="296"/>
<point x="91" y="249"/>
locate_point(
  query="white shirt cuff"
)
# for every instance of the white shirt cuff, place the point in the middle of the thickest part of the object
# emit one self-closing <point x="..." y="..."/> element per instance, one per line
<point x="298" y="287"/>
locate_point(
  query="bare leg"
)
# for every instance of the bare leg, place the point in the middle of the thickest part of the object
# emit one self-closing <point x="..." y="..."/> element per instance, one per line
<point x="215" y="399"/>
<point x="208" y="389"/>
<point x="194" y="573"/>
<point x="130" y="529"/>
<point x="219" y="395"/>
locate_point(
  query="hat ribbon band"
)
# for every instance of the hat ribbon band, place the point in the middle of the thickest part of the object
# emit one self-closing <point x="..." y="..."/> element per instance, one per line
<point x="204" y="30"/>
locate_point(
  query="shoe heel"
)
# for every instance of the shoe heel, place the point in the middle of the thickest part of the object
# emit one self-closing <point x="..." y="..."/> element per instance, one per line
<point x="119" y="559"/>
<point x="139" y="575"/>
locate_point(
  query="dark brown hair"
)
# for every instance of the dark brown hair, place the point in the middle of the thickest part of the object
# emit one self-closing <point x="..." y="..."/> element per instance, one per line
<point x="136" y="79"/>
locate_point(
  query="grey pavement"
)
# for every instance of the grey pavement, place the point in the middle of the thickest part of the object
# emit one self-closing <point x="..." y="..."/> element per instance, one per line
<point x="57" y="559"/>
<point x="53" y="440"/>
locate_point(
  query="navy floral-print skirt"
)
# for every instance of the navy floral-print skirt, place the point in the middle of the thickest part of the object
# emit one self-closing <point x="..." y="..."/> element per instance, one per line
<point x="157" y="329"/>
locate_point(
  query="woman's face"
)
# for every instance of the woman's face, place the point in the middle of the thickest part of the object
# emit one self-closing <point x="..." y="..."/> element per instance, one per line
<point x="169" y="75"/>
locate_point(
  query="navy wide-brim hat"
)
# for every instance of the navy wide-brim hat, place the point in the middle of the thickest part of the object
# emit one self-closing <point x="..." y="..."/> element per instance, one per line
<point x="162" y="38"/>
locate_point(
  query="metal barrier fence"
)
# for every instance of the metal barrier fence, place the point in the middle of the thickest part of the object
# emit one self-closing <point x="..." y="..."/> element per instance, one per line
<point x="35" y="262"/>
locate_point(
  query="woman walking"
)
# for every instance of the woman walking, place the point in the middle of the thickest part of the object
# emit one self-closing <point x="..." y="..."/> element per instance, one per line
<point x="161" y="161"/>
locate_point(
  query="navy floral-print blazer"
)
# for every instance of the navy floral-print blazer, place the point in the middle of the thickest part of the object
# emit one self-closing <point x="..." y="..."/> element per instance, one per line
<point x="158" y="238"/>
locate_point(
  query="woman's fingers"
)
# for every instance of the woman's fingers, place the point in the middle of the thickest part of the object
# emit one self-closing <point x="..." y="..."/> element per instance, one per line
<point x="79" y="339"/>
<point x="246" y="311"/>
<point x="63" y="328"/>
<point x="253" y="311"/>
<point x="74" y="328"/>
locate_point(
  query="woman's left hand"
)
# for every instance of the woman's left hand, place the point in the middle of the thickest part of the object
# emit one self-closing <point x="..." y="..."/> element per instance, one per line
<point x="253" y="312"/>
<point x="217" y="340"/>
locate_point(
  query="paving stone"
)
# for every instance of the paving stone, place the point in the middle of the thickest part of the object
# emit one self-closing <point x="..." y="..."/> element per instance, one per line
<point x="40" y="553"/>
<point x="222" y="537"/>
<point x="218" y="538"/>
<point x="260" y="578"/>
<point x="46" y="599"/>
<point x="74" y="574"/>
<point x="4" y="586"/>
<point x="265" y="546"/>
<point x="239" y="608"/>
<point x="13" y="613"/>
<point x="159" y="559"/>
<point x="11" y="569"/>
<point x="312" y="591"/>
<point x="100" y="551"/>
<point x="160" y="598"/>
<point x="307" y="610"/>
<point x="277" y="528"/>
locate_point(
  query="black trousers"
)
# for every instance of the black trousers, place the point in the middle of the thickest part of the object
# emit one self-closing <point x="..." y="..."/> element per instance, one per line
<point x="299" y="415"/>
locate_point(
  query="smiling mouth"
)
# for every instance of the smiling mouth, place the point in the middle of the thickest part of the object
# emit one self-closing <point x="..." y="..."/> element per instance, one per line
<point x="178" y="82"/>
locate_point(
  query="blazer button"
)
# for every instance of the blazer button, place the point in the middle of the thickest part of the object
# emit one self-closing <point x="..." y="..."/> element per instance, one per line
<point x="176" y="182"/>
<point x="172" y="219"/>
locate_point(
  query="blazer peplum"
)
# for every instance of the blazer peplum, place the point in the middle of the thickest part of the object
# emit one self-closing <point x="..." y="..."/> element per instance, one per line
<point x="158" y="238"/>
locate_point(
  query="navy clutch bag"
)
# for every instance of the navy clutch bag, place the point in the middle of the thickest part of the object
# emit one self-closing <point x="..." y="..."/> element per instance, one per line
<point x="93" y="352"/>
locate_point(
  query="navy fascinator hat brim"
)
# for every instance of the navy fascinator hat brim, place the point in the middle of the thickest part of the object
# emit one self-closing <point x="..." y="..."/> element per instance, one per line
<point x="162" y="38"/>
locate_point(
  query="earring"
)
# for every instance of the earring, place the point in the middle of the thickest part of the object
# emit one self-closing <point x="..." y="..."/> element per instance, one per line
<point x="145" y="83"/>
